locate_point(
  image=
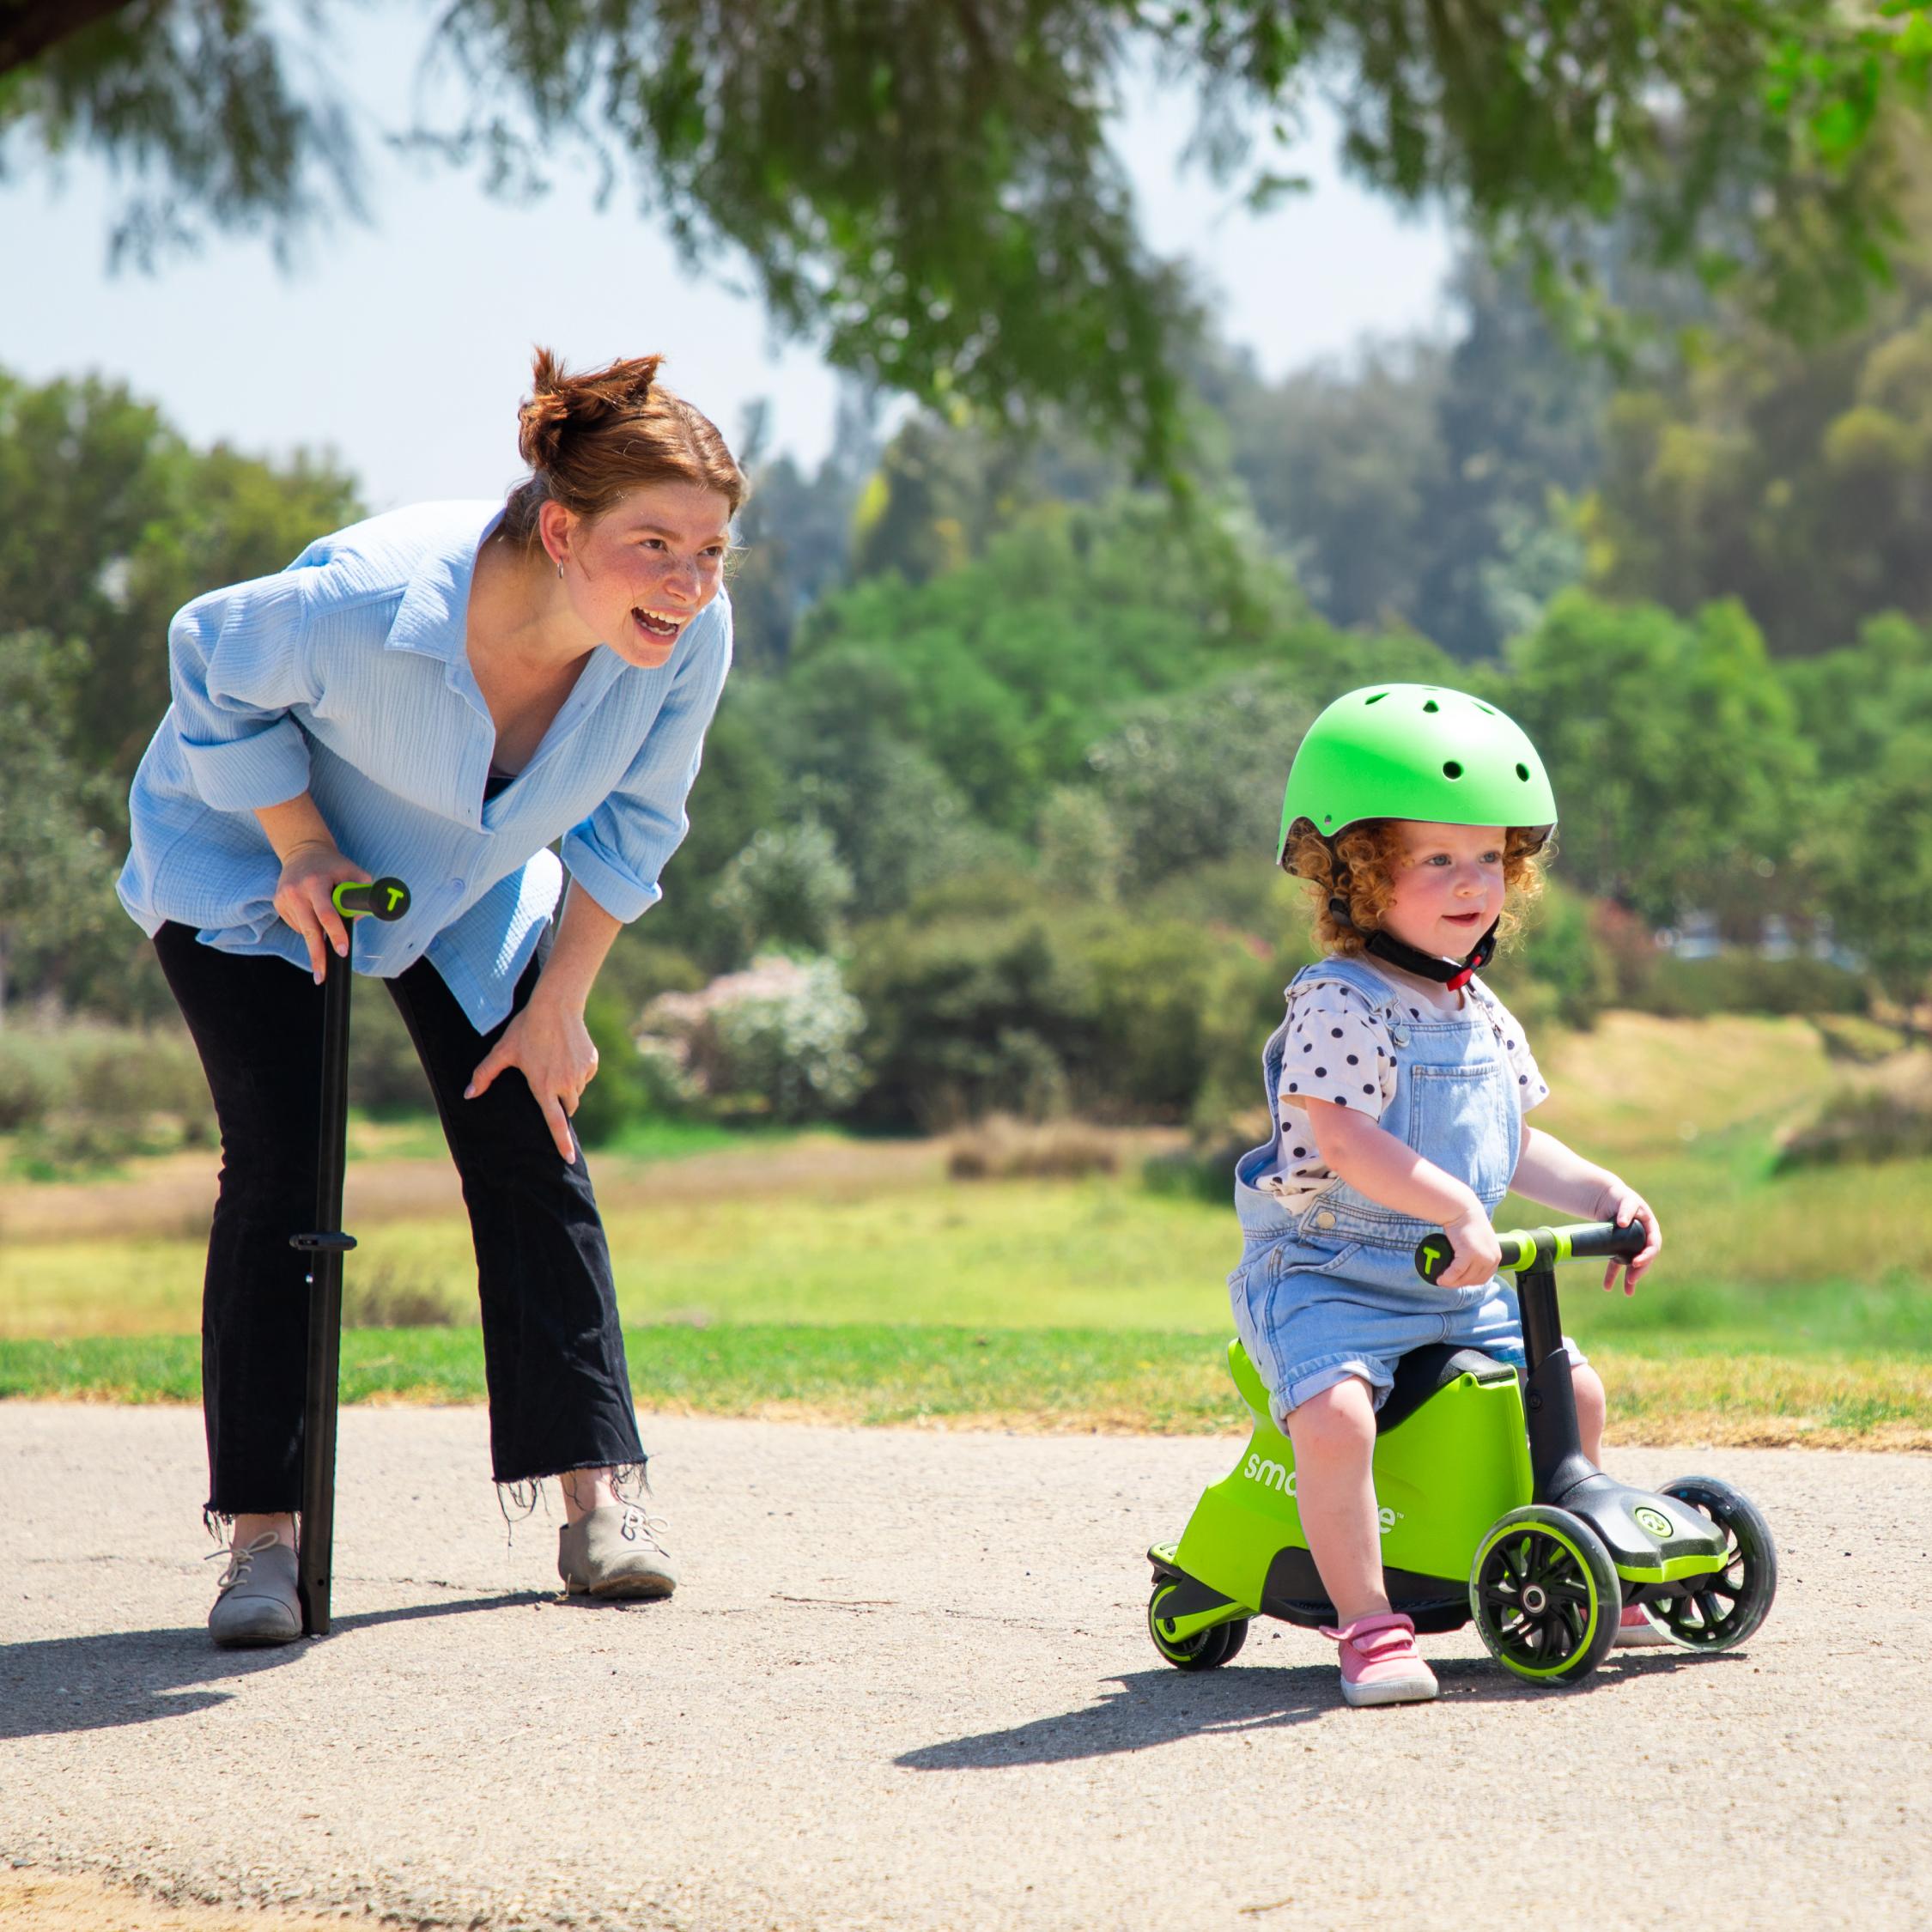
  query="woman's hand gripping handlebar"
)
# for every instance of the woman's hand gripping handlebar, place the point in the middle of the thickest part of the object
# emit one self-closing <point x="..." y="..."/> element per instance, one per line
<point x="1524" y="1249"/>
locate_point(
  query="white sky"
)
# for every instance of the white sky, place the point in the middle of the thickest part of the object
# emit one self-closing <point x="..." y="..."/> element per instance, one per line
<point x="404" y="345"/>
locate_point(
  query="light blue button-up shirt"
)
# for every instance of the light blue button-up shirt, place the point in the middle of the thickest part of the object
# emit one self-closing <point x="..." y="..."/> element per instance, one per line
<point x="346" y="676"/>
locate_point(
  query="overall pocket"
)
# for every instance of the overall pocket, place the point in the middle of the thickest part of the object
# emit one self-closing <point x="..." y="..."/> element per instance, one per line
<point x="1459" y="1119"/>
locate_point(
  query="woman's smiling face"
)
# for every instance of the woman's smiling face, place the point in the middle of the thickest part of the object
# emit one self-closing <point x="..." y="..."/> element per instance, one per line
<point x="637" y="575"/>
<point x="1448" y="886"/>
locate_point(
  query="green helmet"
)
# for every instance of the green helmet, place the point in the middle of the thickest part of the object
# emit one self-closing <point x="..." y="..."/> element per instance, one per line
<point x="1415" y="751"/>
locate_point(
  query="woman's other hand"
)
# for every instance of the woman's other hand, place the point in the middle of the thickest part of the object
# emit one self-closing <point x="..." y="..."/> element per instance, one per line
<point x="310" y="873"/>
<point x="550" y="1045"/>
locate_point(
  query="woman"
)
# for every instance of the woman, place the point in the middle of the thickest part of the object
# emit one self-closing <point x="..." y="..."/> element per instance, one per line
<point x="439" y="692"/>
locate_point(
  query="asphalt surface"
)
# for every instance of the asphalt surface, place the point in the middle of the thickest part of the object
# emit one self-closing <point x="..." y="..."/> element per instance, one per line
<point x="908" y="1685"/>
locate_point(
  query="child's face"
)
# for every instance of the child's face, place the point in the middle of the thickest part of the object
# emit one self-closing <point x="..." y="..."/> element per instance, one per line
<point x="1448" y="886"/>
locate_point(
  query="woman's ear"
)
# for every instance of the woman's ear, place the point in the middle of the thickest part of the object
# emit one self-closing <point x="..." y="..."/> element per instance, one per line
<point x="554" y="530"/>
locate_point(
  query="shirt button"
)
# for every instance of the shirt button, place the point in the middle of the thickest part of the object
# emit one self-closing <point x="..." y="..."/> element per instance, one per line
<point x="1324" y="1219"/>
<point x="456" y="885"/>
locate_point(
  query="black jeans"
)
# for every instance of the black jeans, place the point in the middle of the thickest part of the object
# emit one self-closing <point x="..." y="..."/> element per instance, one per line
<point x="553" y="1353"/>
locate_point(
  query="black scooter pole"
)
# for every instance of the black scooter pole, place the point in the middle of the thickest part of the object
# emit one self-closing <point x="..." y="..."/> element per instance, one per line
<point x="388" y="898"/>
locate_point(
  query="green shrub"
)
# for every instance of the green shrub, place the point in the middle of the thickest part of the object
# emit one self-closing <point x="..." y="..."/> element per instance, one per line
<point x="1204" y="1169"/>
<point x="1002" y="1148"/>
<point x="1862" y="1125"/>
<point x="86" y="1097"/>
<point x="792" y="1050"/>
<point x="786" y="888"/>
<point x="378" y="1294"/>
<point x="1746" y="982"/>
<point x="385" y="1079"/>
<point x="623" y="1090"/>
<point x="32" y="1078"/>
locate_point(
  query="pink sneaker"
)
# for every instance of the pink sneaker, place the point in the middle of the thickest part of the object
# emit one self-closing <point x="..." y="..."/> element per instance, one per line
<point x="1638" y="1630"/>
<point x="1379" y="1664"/>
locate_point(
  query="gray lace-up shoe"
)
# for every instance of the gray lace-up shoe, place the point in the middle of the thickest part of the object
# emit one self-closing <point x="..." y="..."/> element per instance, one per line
<point x="614" y="1552"/>
<point x="257" y="1602"/>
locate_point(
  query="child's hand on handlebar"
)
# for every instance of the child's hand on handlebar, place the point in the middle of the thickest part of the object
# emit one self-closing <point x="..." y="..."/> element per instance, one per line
<point x="1478" y="1253"/>
<point x="1622" y="1205"/>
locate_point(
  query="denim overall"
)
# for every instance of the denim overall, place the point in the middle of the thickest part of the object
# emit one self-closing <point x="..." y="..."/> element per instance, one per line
<point x="1326" y="1288"/>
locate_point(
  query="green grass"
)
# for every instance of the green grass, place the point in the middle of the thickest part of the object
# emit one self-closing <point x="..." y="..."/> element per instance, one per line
<point x="1804" y="1297"/>
<point x="1098" y="1254"/>
<point x="1063" y="1379"/>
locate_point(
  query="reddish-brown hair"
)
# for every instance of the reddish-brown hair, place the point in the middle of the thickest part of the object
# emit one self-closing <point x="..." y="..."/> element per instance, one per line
<point x="590" y="439"/>
<point x="1359" y="863"/>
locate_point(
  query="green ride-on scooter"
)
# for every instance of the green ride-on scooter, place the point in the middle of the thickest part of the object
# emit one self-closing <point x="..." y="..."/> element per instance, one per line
<point x="1489" y="1510"/>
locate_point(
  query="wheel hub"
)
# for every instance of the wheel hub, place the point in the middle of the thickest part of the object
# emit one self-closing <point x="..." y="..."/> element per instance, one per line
<point x="1535" y="1599"/>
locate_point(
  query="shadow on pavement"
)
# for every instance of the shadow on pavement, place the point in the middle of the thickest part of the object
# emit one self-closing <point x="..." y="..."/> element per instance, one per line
<point x="61" y="1684"/>
<point x="1153" y="1707"/>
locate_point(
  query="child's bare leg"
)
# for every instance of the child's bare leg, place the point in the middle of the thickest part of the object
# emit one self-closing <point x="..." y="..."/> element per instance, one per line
<point x="1590" y="1408"/>
<point x="1335" y="1438"/>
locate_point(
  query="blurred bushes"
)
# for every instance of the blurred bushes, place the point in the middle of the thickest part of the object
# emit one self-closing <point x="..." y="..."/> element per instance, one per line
<point x="1744" y="982"/>
<point x="1001" y="1148"/>
<point x="1862" y="1124"/>
<point x="85" y="1097"/>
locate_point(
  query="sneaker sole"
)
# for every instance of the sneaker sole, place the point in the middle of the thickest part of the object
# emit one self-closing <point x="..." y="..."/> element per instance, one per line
<point x="255" y="1640"/>
<point x="625" y="1588"/>
<point x="1649" y="1638"/>
<point x="1407" y="1690"/>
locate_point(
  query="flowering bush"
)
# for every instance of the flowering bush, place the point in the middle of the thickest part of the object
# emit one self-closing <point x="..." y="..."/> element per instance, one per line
<point x="777" y="1040"/>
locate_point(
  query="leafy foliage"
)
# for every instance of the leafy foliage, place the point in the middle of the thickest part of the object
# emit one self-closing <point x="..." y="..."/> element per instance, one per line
<point x="929" y="191"/>
<point x="1675" y="755"/>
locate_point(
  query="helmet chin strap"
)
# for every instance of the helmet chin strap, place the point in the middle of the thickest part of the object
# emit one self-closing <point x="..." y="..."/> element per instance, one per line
<point x="1425" y="965"/>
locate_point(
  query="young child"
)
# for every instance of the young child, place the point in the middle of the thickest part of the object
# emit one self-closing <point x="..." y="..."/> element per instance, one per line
<point x="1400" y="1083"/>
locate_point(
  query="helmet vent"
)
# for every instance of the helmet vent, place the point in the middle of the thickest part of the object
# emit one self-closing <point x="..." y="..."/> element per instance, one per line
<point x="1377" y="698"/>
<point x="1431" y="705"/>
<point x="1522" y="772"/>
<point x="1489" y="709"/>
<point x="1452" y="770"/>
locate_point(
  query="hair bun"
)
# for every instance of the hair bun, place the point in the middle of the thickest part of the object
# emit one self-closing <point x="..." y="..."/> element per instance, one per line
<point x="562" y="405"/>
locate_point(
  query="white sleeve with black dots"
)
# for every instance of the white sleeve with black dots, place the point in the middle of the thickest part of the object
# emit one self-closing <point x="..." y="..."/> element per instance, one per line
<point x="1531" y="1087"/>
<point x="1336" y="1050"/>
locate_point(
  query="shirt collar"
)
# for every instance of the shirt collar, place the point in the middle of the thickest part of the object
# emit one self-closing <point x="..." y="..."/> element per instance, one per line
<point x="433" y="616"/>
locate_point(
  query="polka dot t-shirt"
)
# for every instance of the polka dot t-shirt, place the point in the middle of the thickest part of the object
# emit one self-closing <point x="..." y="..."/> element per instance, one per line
<point x="1338" y="1049"/>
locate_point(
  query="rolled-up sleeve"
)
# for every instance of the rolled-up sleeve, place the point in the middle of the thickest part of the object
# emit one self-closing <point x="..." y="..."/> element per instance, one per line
<point x="236" y="664"/>
<point x="618" y="853"/>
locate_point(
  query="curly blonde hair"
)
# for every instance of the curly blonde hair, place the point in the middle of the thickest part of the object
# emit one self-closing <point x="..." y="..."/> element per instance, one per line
<point x="1359" y="863"/>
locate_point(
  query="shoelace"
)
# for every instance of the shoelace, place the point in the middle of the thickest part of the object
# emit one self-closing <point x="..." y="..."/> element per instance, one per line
<point x="241" y="1560"/>
<point x="655" y="1528"/>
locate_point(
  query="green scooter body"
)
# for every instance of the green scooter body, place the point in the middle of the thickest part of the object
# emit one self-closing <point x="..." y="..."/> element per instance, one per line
<point x="1244" y="1544"/>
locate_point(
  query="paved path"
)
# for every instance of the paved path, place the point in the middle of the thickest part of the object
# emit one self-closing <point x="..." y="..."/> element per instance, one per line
<point x="907" y="1686"/>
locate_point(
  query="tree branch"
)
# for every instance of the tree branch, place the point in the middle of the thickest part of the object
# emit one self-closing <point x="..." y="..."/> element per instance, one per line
<point x="29" y="28"/>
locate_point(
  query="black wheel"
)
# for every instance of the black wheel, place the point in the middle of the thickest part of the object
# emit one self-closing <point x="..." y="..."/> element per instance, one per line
<point x="1205" y="1650"/>
<point x="1545" y="1596"/>
<point x="1727" y="1606"/>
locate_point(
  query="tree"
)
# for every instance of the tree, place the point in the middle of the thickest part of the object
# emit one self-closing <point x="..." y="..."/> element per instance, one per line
<point x="109" y="522"/>
<point x="55" y="877"/>
<point x="1873" y="854"/>
<point x="929" y="190"/>
<point x="1675" y="753"/>
<point x="1799" y="483"/>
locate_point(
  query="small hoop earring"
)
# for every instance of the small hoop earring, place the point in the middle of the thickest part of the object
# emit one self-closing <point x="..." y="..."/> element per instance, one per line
<point x="560" y="567"/>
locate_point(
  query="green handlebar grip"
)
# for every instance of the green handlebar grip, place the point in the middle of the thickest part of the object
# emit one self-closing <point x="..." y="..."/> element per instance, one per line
<point x="1525" y="1249"/>
<point x="388" y="898"/>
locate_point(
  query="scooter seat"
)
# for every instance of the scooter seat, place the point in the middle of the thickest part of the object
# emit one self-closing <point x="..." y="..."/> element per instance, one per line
<point x="1424" y="1372"/>
<point x="1421" y="1373"/>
